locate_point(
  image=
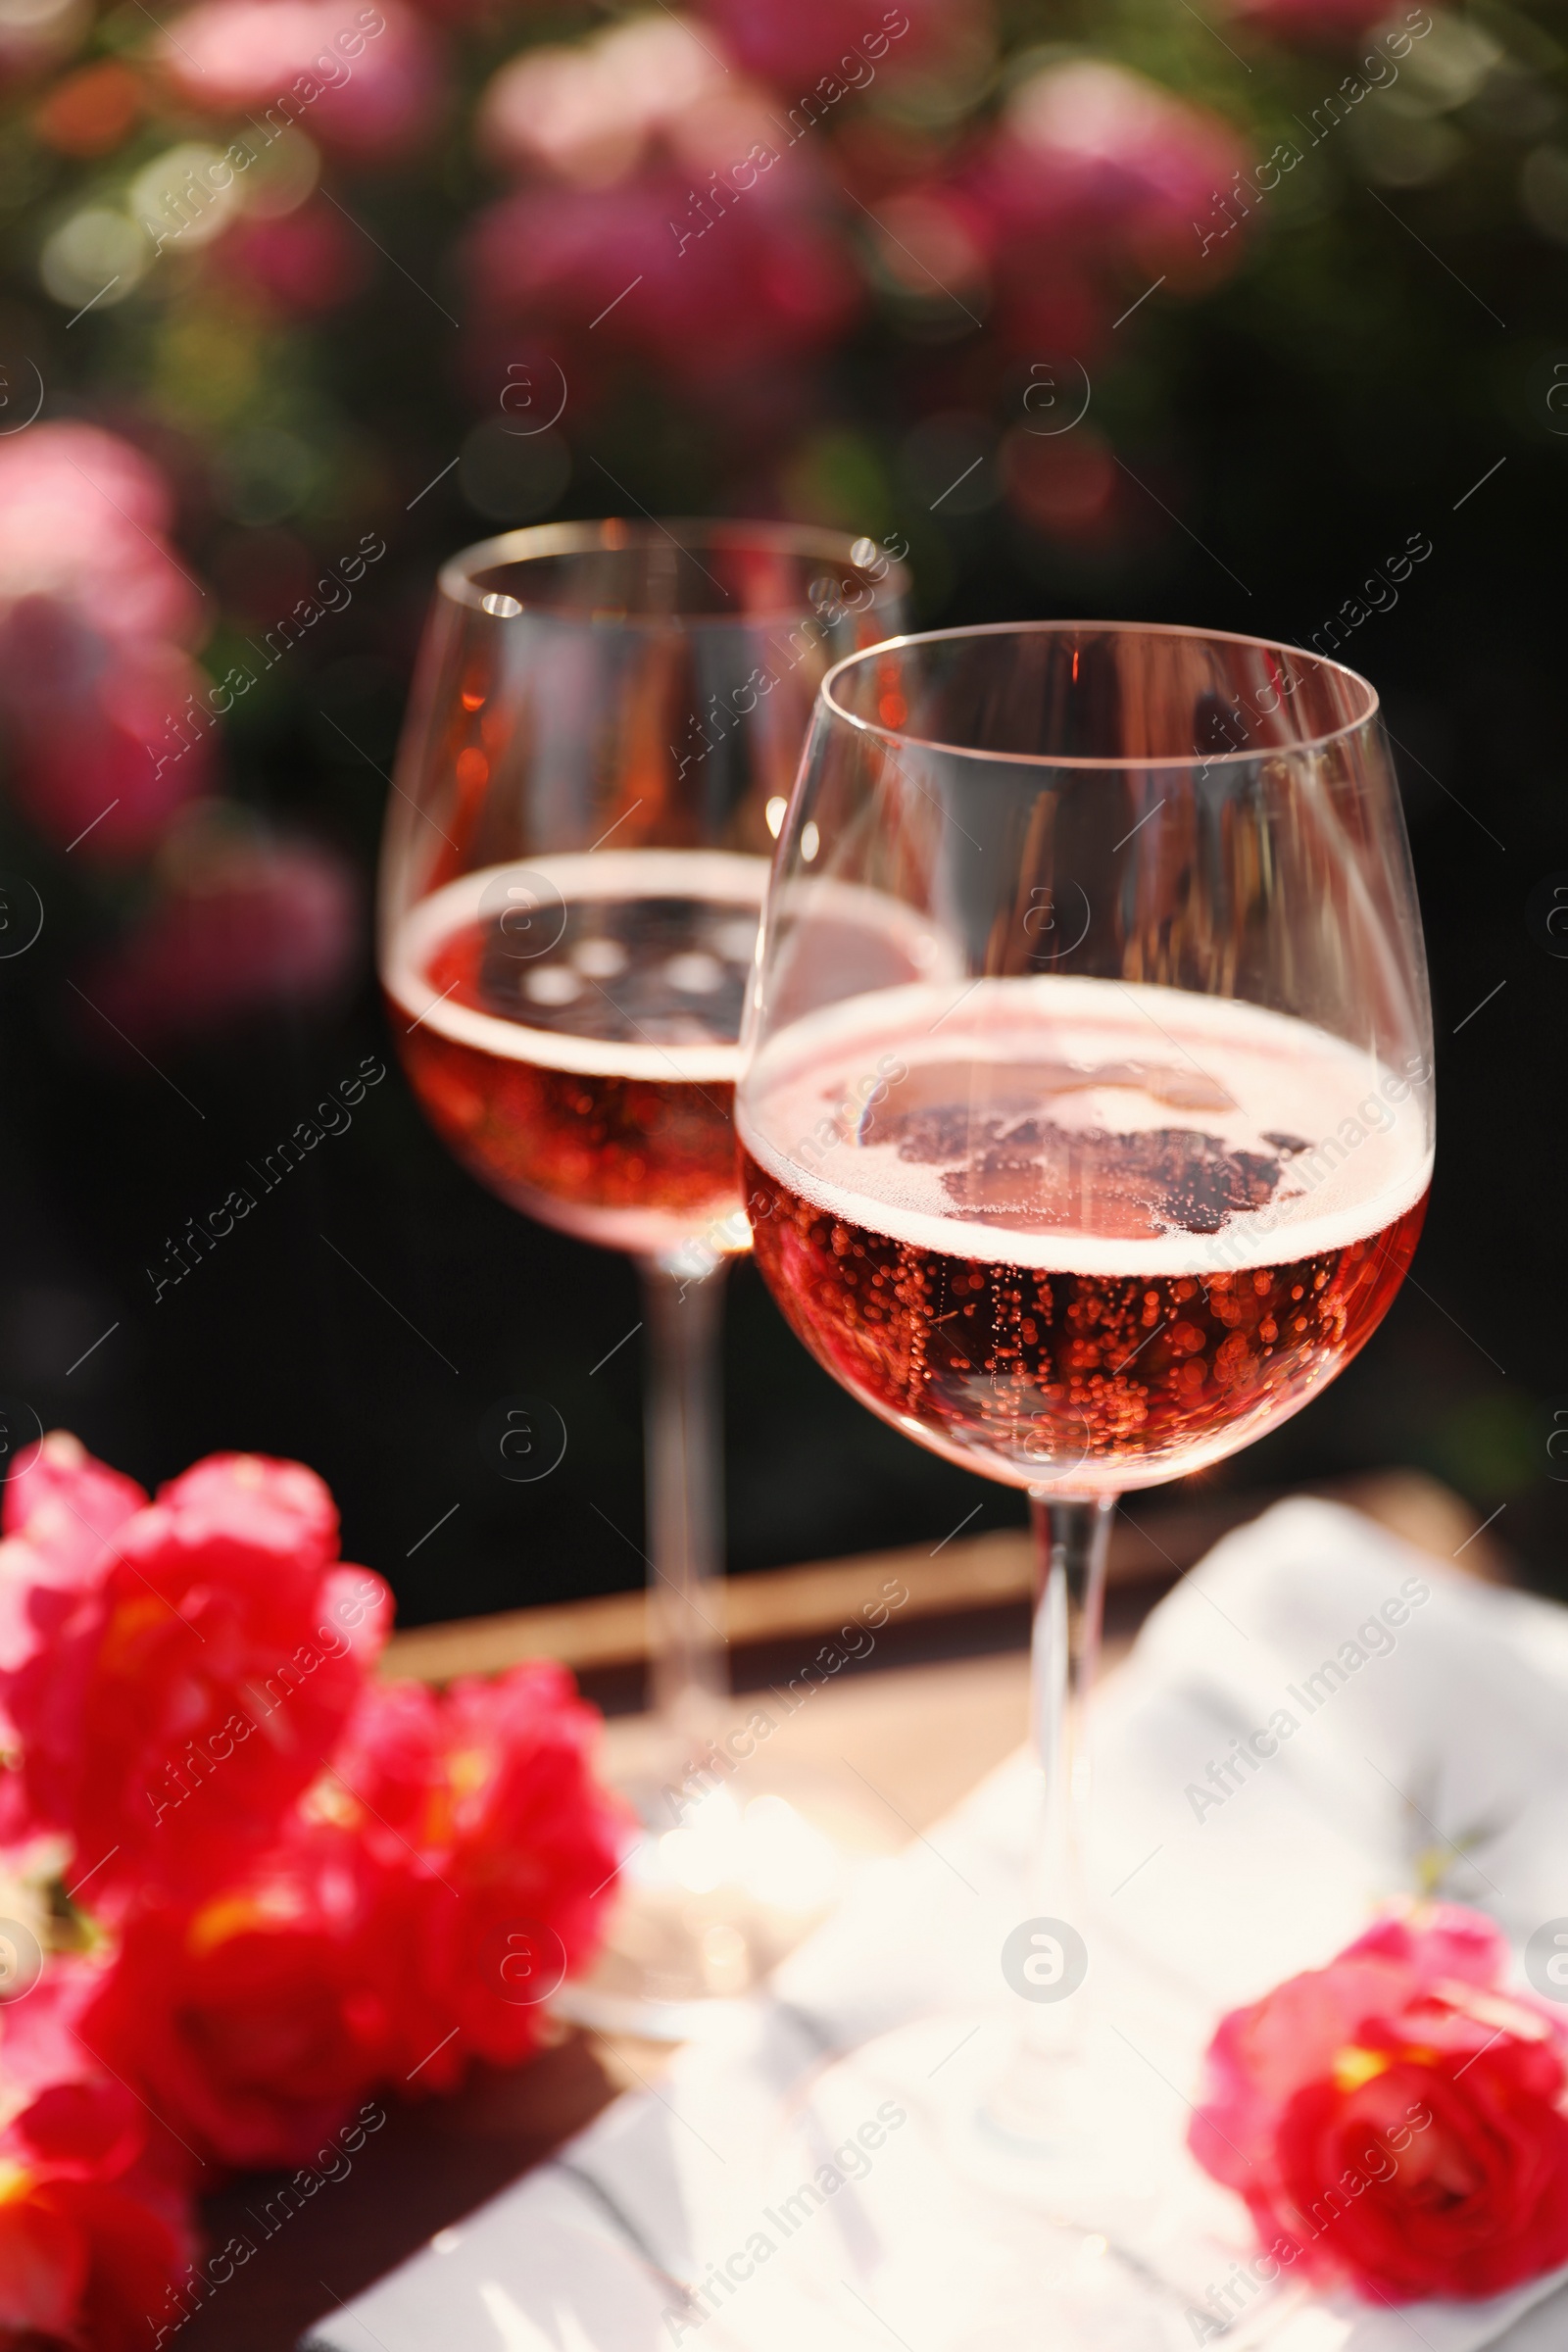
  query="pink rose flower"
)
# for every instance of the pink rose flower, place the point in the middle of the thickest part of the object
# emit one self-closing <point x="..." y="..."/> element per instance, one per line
<point x="90" y="725"/>
<point x="177" y="1688"/>
<point x="672" y="216"/>
<point x="290" y="60"/>
<point x="241" y="927"/>
<point x="589" y="113"/>
<point x="1099" y="143"/>
<point x="61" y="1506"/>
<point x="794" y="42"/>
<point x="1395" y="2121"/>
<point x="933" y="242"/>
<point x="765" y="283"/>
<point x="1093" y="169"/>
<point x="84" y="520"/>
<point x="58" y="1510"/>
<point x="95" y="612"/>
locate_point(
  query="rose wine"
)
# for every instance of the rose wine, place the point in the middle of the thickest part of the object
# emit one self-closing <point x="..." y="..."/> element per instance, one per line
<point x="1074" y="1233"/>
<point x="570" y="1028"/>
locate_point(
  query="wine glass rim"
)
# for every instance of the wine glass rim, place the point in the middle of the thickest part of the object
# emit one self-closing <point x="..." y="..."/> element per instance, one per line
<point x="460" y="576"/>
<point x="1109" y="760"/>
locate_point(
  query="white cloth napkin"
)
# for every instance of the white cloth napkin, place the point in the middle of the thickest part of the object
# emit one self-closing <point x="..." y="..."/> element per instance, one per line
<point x="1450" y="1735"/>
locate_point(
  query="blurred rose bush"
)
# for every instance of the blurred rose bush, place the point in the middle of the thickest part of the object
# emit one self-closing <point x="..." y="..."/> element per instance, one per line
<point x="97" y="617"/>
<point x="277" y="1884"/>
<point x="238" y="923"/>
<point x="369" y="75"/>
<point x="98" y="625"/>
<point x="318" y="260"/>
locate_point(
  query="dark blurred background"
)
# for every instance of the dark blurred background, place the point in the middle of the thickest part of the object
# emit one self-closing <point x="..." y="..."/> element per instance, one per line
<point x="1369" y="352"/>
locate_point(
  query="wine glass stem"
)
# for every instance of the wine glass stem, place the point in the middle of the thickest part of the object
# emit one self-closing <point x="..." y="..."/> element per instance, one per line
<point x="683" y="1319"/>
<point x="1072" y="1537"/>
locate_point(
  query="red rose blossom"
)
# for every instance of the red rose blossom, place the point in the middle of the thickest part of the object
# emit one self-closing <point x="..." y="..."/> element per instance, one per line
<point x="1395" y="2122"/>
<point x="177" y="1692"/>
<point x="454" y="1860"/>
<point x="502" y="1851"/>
<point x="58" y="1510"/>
<point x="250" y="2022"/>
<point x="82" y="2262"/>
<point x="309" y="1884"/>
<point x="91" y="2236"/>
<point x="62" y="1507"/>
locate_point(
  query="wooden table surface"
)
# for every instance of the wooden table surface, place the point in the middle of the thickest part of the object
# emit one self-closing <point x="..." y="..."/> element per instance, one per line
<point x="939" y="1701"/>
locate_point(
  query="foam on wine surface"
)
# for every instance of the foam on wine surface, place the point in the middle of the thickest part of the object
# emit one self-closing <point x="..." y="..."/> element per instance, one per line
<point x="624" y="963"/>
<point x="1087" y="1126"/>
<point x="570" y="1028"/>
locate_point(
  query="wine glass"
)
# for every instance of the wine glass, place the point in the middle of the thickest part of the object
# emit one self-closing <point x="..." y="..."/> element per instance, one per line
<point x="1085" y="1119"/>
<point x="605" y="724"/>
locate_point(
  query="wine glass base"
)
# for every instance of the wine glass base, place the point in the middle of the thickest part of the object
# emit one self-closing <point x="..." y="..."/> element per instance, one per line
<point x="1064" y="2136"/>
<point x="638" y="2015"/>
<point x="709" y="1908"/>
<point x="970" y="2225"/>
<point x="675" y="1960"/>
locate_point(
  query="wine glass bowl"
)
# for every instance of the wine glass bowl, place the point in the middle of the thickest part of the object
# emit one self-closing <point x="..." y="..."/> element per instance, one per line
<point x="1136" y="1162"/>
<point x="605" y="725"/>
<point x="580" y="1055"/>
